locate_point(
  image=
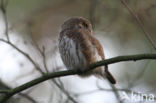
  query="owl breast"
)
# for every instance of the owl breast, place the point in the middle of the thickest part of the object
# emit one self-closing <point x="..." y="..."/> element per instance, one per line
<point x="71" y="53"/>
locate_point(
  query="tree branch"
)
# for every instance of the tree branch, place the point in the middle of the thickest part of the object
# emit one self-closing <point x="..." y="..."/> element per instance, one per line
<point x="73" y="72"/>
<point x="4" y="91"/>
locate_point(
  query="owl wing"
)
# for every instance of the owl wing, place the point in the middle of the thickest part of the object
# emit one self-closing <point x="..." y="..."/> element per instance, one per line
<point x="99" y="47"/>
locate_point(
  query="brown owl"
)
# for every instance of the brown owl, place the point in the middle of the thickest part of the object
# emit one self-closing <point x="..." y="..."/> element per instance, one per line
<point x="79" y="48"/>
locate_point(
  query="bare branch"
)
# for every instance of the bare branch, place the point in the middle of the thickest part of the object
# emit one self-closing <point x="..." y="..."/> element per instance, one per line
<point x="73" y="72"/>
<point x="42" y="53"/>
<point x="4" y="91"/>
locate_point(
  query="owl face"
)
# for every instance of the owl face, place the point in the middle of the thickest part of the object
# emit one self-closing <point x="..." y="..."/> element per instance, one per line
<point x="77" y="23"/>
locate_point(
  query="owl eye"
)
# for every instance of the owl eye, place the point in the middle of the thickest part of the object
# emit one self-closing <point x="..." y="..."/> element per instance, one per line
<point x="85" y="25"/>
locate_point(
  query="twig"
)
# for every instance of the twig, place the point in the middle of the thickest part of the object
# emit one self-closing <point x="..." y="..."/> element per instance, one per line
<point x="147" y="35"/>
<point x="42" y="53"/>
<point x="73" y="72"/>
<point x="3" y="7"/>
<point x="28" y="97"/>
<point x="64" y="91"/>
<point x="44" y="59"/>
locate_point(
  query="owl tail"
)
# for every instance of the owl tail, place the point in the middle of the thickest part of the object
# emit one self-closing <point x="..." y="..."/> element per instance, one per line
<point x="109" y="76"/>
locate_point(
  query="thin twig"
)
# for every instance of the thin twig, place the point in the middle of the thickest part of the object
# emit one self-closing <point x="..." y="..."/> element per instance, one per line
<point x="44" y="59"/>
<point x="147" y="35"/>
<point x="3" y="7"/>
<point x="42" y="53"/>
<point x="28" y="97"/>
<point x="64" y="91"/>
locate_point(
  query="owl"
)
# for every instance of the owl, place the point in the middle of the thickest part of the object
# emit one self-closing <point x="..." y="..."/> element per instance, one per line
<point x="79" y="48"/>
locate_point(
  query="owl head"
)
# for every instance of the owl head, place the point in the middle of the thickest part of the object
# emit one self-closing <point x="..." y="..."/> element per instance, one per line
<point x="77" y="23"/>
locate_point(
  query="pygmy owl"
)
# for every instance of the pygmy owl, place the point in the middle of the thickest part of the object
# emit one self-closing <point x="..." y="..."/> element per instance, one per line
<point x="79" y="48"/>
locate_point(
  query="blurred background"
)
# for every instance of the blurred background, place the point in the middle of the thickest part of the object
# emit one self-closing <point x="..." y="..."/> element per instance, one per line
<point x="34" y="26"/>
